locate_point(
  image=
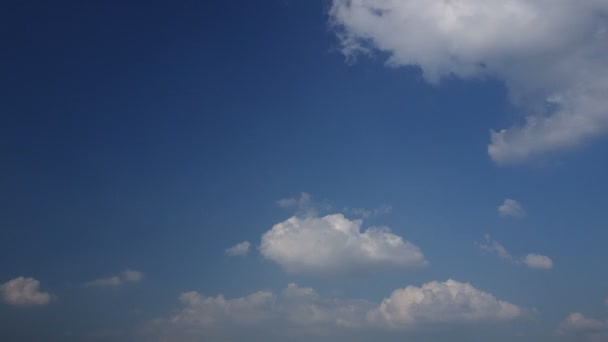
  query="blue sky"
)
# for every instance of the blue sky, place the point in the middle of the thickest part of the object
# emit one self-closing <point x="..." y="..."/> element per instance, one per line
<point x="394" y="170"/>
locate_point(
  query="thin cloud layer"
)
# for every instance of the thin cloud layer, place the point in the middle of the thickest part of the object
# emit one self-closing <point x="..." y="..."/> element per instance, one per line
<point x="334" y="244"/>
<point x="127" y="276"/>
<point x="531" y="260"/>
<point x="559" y="85"/>
<point x="24" y="292"/>
<point x="240" y="249"/>
<point x="511" y="208"/>
<point x="298" y="310"/>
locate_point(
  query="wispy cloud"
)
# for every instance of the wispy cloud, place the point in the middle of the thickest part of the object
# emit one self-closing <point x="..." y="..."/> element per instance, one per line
<point x="127" y="276"/>
<point x="531" y="260"/>
<point x="368" y="213"/>
<point x="240" y="249"/>
<point x="584" y="328"/>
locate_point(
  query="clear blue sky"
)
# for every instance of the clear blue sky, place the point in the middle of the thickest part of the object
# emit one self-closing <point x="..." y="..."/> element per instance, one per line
<point x="141" y="141"/>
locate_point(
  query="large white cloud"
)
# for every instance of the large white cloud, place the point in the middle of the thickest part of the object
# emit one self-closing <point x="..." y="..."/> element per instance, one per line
<point x="302" y="311"/>
<point x="127" y="276"/>
<point x="334" y="244"/>
<point x="449" y="301"/>
<point x="551" y="54"/>
<point x="584" y="328"/>
<point x="24" y="292"/>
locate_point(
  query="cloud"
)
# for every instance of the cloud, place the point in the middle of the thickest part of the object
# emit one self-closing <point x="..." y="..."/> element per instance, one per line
<point x="24" y="292"/>
<point x="449" y="301"/>
<point x="367" y="213"/>
<point x="302" y="311"/>
<point x="511" y="208"/>
<point x="127" y="276"/>
<point x="240" y="249"/>
<point x="334" y="244"/>
<point x="291" y="202"/>
<point x="558" y="85"/>
<point x="493" y="247"/>
<point x="538" y="261"/>
<point x="584" y="328"/>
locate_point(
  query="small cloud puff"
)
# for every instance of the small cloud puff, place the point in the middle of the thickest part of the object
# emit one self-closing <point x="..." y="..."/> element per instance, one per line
<point x="127" y="276"/>
<point x="538" y="261"/>
<point x="240" y="249"/>
<point x="24" y="292"/>
<point x="511" y="208"/>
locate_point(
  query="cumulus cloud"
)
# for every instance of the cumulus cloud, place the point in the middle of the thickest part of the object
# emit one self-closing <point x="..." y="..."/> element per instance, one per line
<point x="240" y="249"/>
<point x="531" y="260"/>
<point x="334" y="244"/>
<point x="511" y="208"/>
<point x="24" y="292"/>
<point x="299" y="310"/>
<point x="127" y="276"/>
<point x="551" y="55"/>
<point x="449" y="301"/>
<point x="584" y="328"/>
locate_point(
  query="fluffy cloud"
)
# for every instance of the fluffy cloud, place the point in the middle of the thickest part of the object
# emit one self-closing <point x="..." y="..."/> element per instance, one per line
<point x="127" y="276"/>
<point x="298" y="310"/>
<point x="511" y="208"/>
<point x="334" y="244"/>
<point x="531" y="260"/>
<point x="559" y="85"/>
<point x="538" y="261"/>
<point x="240" y="249"/>
<point x="584" y="328"/>
<point x="24" y="292"/>
<point x="450" y="301"/>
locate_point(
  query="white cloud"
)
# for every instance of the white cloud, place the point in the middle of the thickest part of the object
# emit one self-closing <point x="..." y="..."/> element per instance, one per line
<point x="584" y="328"/>
<point x="559" y="84"/>
<point x="531" y="260"/>
<point x="334" y="244"/>
<point x="240" y="249"/>
<point x="298" y="310"/>
<point x="511" y="208"/>
<point x="127" y="276"/>
<point x="367" y="213"/>
<point x="493" y="247"/>
<point x="449" y="301"/>
<point x="24" y="292"/>
<point x="303" y="201"/>
<point x="538" y="261"/>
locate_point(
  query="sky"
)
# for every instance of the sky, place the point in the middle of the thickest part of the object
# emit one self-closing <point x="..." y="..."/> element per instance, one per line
<point x="332" y="170"/>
